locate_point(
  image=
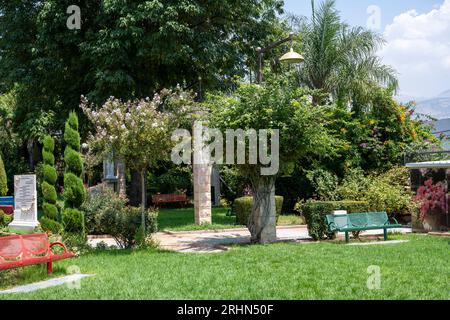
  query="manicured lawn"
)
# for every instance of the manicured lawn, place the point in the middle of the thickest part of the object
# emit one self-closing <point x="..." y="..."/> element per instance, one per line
<point x="183" y="220"/>
<point x="418" y="269"/>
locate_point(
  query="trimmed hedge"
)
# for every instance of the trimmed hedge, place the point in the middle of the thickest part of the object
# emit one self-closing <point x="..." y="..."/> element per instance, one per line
<point x="48" y="184"/>
<point x="243" y="208"/>
<point x="315" y="212"/>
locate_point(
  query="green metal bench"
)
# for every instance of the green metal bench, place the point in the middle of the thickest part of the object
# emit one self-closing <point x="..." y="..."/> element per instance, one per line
<point x="360" y="222"/>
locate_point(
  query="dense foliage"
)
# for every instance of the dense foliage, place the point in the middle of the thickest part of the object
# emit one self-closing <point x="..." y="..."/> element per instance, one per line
<point x="384" y="192"/>
<point x="432" y="198"/>
<point x="315" y="212"/>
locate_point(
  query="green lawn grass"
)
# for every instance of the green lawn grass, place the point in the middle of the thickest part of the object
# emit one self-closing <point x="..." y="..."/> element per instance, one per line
<point x="418" y="269"/>
<point x="183" y="220"/>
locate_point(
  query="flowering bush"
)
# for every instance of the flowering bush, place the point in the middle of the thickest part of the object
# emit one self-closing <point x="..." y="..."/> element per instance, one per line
<point x="432" y="198"/>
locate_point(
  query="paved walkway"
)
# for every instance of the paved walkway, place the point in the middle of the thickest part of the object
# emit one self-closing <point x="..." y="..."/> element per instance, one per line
<point x="217" y="241"/>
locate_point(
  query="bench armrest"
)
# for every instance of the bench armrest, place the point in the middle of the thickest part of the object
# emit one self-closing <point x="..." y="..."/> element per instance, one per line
<point x="59" y="244"/>
<point x="332" y="226"/>
<point x="387" y="222"/>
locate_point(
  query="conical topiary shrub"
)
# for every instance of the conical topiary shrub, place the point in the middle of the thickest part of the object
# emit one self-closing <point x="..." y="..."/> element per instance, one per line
<point x="3" y="180"/>
<point x="74" y="191"/>
<point x="49" y="222"/>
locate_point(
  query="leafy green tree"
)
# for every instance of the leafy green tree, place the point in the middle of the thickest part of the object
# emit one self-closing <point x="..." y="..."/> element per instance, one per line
<point x="139" y="131"/>
<point x="3" y="181"/>
<point x="74" y="191"/>
<point x="302" y="133"/>
<point x="339" y="59"/>
<point x="127" y="50"/>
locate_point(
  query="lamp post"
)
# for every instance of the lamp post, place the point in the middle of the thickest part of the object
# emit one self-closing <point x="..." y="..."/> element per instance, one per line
<point x="290" y="57"/>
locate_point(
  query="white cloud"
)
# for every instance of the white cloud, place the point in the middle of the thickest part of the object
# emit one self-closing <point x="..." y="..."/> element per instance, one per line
<point x="418" y="47"/>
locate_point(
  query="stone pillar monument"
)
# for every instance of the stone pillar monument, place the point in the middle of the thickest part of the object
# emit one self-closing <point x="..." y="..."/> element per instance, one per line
<point x="25" y="203"/>
<point x="202" y="177"/>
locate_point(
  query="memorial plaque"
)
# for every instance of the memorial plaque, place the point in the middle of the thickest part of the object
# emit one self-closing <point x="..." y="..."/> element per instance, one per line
<point x="25" y="196"/>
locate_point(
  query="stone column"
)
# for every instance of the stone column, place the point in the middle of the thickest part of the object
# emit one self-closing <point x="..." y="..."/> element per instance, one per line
<point x="202" y="193"/>
<point x="202" y="177"/>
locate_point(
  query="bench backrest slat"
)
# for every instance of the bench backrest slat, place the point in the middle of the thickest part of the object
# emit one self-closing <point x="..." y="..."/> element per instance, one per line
<point x="22" y="246"/>
<point x="356" y="220"/>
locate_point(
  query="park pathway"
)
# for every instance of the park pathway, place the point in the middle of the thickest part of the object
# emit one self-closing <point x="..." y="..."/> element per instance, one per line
<point x="212" y="241"/>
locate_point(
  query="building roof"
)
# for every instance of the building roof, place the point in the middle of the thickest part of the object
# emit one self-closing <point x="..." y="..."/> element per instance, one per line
<point x="443" y="164"/>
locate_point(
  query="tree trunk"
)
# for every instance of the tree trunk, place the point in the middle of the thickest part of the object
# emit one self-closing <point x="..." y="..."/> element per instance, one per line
<point x="262" y="221"/>
<point x="143" y="199"/>
<point x="30" y="149"/>
<point x="121" y="176"/>
<point x="134" y="192"/>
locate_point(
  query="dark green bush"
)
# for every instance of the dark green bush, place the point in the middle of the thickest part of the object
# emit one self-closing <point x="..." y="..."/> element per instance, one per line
<point x="71" y="135"/>
<point x="123" y="225"/>
<point x="96" y="204"/>
<point x="243" y="207"/>
<point x="50" y="211"/>
<point x="74" y="191"/>
<point x="315" y="212"/>
<point x="73" y="161"/>
<point x="49" y="192"/>
<point x="49" y="174"/>
<point x="50" y="225"/>
<point x="73" y="221"/>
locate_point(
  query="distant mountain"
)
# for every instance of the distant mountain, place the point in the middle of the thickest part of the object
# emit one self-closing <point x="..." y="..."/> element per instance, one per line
<point x="445" y="94"/>
<point x="437" y="107"/>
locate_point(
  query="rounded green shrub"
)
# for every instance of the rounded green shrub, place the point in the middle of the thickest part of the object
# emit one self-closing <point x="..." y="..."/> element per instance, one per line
<point x="124" y="225"/>
<point x="71" y="135"/>
<point x="50" y="225"/>
<point x="74" y="191"/>
<point x="73" y="221"/>
<point x="243" y="208"/>
<point x="73" y="161"/>
<point x="49" y="192"/>
<point x="49" y="174"/>
<point x="50" y="211"/>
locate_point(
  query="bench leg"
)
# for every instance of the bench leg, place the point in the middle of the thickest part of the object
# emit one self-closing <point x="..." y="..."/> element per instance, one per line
<point x="347" y="238"/>
<point x="385" y="234"/>
<point x="49" y="268"/>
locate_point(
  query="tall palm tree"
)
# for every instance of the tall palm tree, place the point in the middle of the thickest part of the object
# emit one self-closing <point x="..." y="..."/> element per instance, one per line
<point x="339" y="59"/>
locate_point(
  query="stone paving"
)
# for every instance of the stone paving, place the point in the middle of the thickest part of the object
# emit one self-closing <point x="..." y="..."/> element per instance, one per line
<point x="220" y="240"/>
<point x="71" y="280"/>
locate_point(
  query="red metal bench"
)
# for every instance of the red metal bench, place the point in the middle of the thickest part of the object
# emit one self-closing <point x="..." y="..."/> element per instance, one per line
<point x="7" y="209"/>
<point x="169" y="198"/>
<point x="30" y="249"/>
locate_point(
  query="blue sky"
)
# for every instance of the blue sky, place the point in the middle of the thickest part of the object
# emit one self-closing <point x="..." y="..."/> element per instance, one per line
<point x="418" y="35"/>
<point x="354" y="11"/>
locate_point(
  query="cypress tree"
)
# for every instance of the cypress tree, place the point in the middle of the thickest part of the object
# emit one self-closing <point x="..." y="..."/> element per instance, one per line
<point x="74" y="192"/>
<point x="49" y="222"/>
